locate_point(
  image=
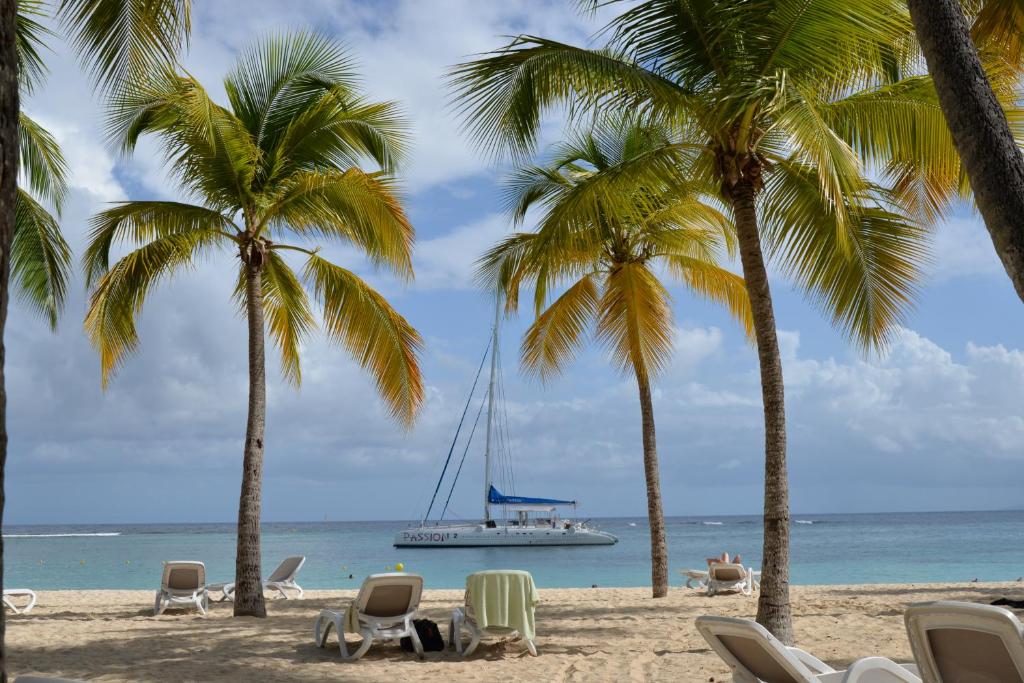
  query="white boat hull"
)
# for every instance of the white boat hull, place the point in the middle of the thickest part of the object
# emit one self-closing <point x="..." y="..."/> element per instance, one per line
<point x="478" y="535"/>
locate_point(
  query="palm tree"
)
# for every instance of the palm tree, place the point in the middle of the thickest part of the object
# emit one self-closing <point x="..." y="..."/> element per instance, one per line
<point x="281" y="161"/>
<point x="792" y="103"/>
<point x="117" y="39"/>
<point x="991" y="157"/>
<point x="614" y="213"/>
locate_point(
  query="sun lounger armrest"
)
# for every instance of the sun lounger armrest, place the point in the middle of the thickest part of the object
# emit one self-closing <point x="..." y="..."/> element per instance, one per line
<point x="873" y="670"/>
<point x="809" y="660"/>
<point x="812" y="662"/>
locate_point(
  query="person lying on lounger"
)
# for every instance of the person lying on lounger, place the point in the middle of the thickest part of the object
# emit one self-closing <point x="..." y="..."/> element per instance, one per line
<point x="723" y="559"/>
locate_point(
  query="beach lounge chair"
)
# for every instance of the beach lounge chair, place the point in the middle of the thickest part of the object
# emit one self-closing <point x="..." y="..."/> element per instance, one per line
<point x="726" y="577"/>
<point x="756" y="656"/>
<point x="695" y="578"/>
<point x="10" y="593"/>
<point x="183" y="585"/>
<point x="383" y="610"/>
<point x="498" y="603"/>
<point x="281" y="579"/>
<point x="954" y="642"/>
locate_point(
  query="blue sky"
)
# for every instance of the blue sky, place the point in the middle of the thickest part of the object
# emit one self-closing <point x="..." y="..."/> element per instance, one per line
<point x="936" y="423"/>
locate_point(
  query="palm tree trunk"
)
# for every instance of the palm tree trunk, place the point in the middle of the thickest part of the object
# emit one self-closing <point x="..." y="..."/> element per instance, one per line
<point x="655" y="516"/>
<point x="980" y="131"/>
<point x="8" y="191"/>
<point x="773" y="610"/>
<point x="248" y="576"/>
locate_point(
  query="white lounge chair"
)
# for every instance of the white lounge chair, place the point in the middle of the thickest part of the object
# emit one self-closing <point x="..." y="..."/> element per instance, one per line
<point x="756" y="656"/>
<point x="10" y="593"/>
<point x="957" y="642"/>
<point x="513" y="617"/>
<point x="183" y="585"/>
<point x="281" y="579"/>
<point x="727" y="577"/>
<point x="383" y="610"/>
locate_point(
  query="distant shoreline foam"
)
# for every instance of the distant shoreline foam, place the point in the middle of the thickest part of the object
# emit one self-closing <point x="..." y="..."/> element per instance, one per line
<point x="70" y="535"/>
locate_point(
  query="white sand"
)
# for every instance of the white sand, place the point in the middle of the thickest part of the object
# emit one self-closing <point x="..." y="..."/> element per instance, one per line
<point x="604" y="634"/>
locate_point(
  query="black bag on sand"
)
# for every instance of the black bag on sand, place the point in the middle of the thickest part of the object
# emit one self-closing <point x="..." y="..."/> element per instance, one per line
<point x="430" y="636"/>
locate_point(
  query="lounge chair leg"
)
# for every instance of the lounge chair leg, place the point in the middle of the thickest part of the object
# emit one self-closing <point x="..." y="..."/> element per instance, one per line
<point x="322" y="630"/>
<point x="367" y="635"/>
<point x="474" y="638"/>
<point x="414" y="637"/>
<point x="531" y="647"/>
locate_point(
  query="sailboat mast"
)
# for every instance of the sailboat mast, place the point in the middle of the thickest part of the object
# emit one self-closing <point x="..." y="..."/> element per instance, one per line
<point x="490" y="409"/>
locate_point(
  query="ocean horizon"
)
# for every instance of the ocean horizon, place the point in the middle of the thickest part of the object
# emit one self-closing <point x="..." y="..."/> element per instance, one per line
<point x="834" y="548"/>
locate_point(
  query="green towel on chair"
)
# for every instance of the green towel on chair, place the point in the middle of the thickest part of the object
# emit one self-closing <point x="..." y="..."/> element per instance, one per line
<point x="503" y="599"/>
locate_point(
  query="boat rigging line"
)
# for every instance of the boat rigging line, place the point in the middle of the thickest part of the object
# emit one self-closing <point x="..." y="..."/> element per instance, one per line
<point x="457" y="430"/>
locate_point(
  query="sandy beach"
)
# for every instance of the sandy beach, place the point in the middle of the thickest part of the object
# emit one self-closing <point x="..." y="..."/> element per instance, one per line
<point x="603" y="634"/>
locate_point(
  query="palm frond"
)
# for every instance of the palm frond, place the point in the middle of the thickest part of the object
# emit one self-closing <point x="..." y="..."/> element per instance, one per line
<point x="43" y="168"/>
<point x="715" y="284"/>
<point x="122" y="40"/>
<point x="362" y="208"/>
<point x="207" y="148"/>
<point x="557" y="333"/>
<point x="40" y="258"/>
<point x="281" y="76"/>
<point x="813" y="140"/>
<point x="635" y="320"/>
<point x="694" y="41"/>
<point x="30" y="39"/>
<point x="119" y="295"/>
<point x="999" y="25"/>
<point x="502" y="95"/>
<point x="380" y="339"/>
<point x="820" y="40"/>
<point x="900" y="130"/>
<point x="140" y="222"/>
<point x="867" y="288"/>
<point x="338" y="132"/>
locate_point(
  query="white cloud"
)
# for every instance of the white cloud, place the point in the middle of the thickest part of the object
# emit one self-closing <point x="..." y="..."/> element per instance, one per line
<point x="448" y="261"/>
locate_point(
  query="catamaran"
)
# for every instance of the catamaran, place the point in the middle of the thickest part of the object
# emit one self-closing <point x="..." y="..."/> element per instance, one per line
<point x="520" y="520"/>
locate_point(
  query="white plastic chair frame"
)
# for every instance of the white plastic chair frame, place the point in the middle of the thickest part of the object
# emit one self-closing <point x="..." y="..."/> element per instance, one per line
<point x="193" y="596"/>
<point x="743" y="583"/>
<point x="798" y="665"/>
<point x="983" y="620"/>
<point x="19" y="593"/>
<point x="373" y="627"/>
<point x="281" y="579"/>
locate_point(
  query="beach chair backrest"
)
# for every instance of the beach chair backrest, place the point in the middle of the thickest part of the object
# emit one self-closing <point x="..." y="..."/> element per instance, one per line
<point x="389" y="595"/>
<point x="961" y="642"/>
<point x="184" y="576"/>
<point x="749" y="648"/>
<point x="723" y="571"/>
<point x="287" y="569"/>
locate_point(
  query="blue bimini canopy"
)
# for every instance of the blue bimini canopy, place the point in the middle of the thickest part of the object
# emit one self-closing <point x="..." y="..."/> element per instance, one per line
<point x="494" y="497"/>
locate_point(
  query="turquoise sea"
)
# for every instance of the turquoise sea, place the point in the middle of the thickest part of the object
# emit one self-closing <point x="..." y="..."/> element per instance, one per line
<point x="827" y="549"/>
